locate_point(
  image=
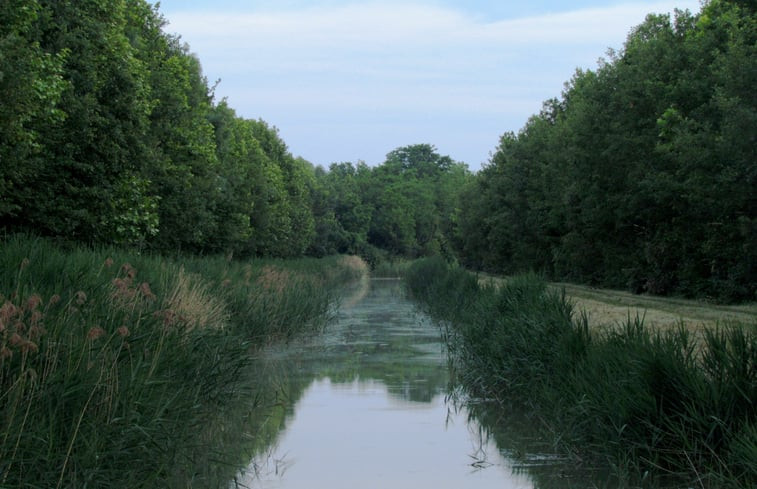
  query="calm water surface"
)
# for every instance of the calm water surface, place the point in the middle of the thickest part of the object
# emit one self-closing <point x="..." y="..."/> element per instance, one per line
<point x="375" y="410"/>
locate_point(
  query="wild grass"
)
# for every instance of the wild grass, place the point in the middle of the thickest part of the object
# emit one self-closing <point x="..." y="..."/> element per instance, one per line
<point x="391" y="268"/>
<point x="650" y="402"/>
<point x="116" y="369"/>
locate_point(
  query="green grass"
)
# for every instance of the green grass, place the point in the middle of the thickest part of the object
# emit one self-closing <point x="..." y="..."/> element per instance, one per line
<point x="648" y="402"/>
<point x="122" y="370"/>
<point x="391" y="268"/>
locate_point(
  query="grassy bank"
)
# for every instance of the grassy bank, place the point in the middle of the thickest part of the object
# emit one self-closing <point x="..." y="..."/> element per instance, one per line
<point x="662" y="408"/>
<point x="118" y="370"/>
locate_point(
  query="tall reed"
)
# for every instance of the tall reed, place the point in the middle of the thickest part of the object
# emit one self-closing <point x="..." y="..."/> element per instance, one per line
<point x="651" y="402"/>
<point x="115" y="368"/>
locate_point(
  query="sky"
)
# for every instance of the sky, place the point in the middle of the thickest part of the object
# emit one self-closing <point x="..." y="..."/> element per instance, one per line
<point x="352" y="80"/>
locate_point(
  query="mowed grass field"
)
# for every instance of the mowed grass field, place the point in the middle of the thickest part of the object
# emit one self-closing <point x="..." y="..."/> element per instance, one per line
<point x="605" y="307"/>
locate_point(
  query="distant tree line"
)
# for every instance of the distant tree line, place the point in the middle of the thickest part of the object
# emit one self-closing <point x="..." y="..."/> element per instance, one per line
<point x="109" y="133"/>
<point x="641" y="175"/>
<point x="406" y="207"/>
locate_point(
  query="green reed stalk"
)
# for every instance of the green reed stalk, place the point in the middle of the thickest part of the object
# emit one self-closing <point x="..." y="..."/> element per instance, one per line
<point x="652" y="402"/>
<point x="125" y="370"/>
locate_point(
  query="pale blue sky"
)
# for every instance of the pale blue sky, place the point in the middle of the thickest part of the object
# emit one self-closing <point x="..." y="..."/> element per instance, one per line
<point x="352" y="80"/>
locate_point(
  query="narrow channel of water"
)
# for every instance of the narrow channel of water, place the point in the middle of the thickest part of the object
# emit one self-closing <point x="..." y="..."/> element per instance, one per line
<point x="376" y="410"/>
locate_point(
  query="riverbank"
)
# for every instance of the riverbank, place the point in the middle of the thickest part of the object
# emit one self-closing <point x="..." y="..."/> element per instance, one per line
<point x="610" y="308"/>
<point x="123" y="370"/>
<point x="661" y="407"/>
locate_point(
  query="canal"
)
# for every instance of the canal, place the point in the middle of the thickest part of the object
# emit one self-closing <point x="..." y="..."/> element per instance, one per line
<point x="376" y="409"/>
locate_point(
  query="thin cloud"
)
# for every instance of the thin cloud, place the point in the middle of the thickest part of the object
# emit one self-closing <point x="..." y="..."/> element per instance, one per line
<point x="395" y="25"/>
<point x="368" y="62"/>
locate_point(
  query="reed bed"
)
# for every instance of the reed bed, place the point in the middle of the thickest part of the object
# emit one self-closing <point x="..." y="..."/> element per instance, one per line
<point x="663" y="409"/>
<point x="121" y="370"/>
<point x="391" y="268"/>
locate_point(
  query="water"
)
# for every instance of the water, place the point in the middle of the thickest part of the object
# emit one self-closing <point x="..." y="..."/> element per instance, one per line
<point x="375" y="411"/>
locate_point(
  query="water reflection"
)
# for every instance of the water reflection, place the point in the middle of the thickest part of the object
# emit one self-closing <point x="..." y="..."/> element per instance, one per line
<point x="367" y="405"/>
<point x="357" y="434"/>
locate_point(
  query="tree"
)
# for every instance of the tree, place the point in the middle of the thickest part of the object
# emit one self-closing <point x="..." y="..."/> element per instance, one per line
<point x="343" y="218"/>
<point x="413" y="202"/>
<point x="182" y="167"/>
<point x="238" y="155"/>
<point x="74" y="180"/>
<point x="31" y="84"/>
<point x="640" y="176"/>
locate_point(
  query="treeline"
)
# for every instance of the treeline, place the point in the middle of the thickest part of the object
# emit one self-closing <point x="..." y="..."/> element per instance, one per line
<point x="642" y="175"/>
<point x="406" y="207"/>
<point x="109" y="134"/>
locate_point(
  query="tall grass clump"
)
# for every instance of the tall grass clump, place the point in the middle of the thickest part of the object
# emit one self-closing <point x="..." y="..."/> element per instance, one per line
<point x="116" y="369"/>
<point x="275" y="300"/>
<point x="394" y="268"/>
<point x="648" y="402"/>
<point x="669" y="403"/>
<point x="509" y="338"/>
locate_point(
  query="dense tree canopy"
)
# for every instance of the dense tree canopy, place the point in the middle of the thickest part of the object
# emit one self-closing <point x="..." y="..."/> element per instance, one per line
<point x="405" y="207"/>
<point x="642" y="175"/>
<point x="31" y="85"/>
<point x="109" y="134"/>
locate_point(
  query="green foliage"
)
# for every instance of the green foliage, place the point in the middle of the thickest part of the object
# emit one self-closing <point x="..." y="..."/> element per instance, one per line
<point x="342" y="214"/>
<point x="85" y="156"/>
<point x="109" y="134"/>
<point x="664" y="403"/>
<point x="30" y="88"/>
<point x="184" y="167"/>
<point x="127" y="370"/>
<point x="405" y="207"/>
<point x="116" y="139"/>
<point x="238" y="157"/>
<point x="134" y="214"/>
<point x="640" y="175"/>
